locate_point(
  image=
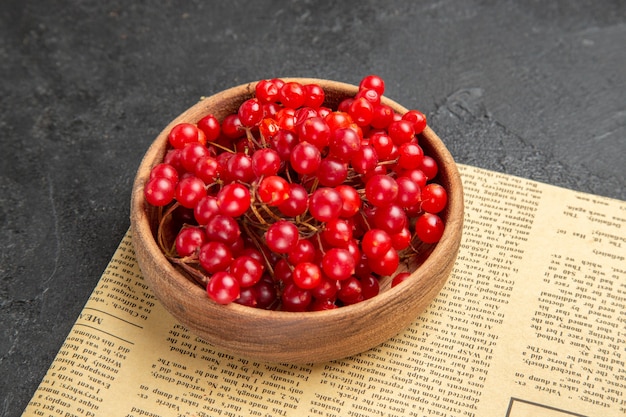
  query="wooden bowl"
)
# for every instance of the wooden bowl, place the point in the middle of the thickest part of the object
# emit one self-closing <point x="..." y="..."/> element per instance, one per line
<point x="306" y="337"/>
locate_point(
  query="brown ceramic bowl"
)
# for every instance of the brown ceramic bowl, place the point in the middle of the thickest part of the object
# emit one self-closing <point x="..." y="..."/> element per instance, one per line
<point x="308" y="337"/>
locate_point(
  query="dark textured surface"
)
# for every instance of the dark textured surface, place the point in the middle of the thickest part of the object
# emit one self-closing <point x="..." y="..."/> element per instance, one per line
<point x="530" y="88"/>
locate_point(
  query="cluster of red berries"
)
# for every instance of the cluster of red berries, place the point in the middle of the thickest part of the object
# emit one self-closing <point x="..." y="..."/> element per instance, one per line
<point x="288" y="204"/>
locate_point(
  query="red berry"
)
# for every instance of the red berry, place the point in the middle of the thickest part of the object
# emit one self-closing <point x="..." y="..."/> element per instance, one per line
<point x="246" y="270"/>
<point x="250" y="112"/>
<point x="314" y="95"/>
<point x="273" y="190"/>
<point x="307" y="275"/>
<point x="189" y="240"/>
<point x="305" y="158"/>
<point x="399" y="278"/>
<point x="376" y="243"/>
<point x="266" y="91"/>
<point x="338" y="264"/>
<point x="292" y="95"/>
<point x="282" y="236"/>
<point x="325" y="204"/>
<point x="429" y="228"/>
<point x="189" y="191"/>
<point x="374" y="82"/>
<point x="210" y="126"/>
<point x="434" y="198"/>
<point x="221" y="228"/>
<point x="297" y="202"/>
<point x="215" y="257"/>
<point x="417" y="118"/>
<point x="401" y="131"/>
<point x="181" y="134"/>
<point x="223" y="288"/>
<point x="381" y="190"/>
<point x="159" y="191"/>
<point x="233" y="200"/>
<point x="295" y="299"/>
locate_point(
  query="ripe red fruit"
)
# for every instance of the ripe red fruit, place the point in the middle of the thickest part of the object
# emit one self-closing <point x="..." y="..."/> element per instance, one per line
<point x="223" y="288"/>
<point x="282" y="236"/>
<point x="233" y="199"/>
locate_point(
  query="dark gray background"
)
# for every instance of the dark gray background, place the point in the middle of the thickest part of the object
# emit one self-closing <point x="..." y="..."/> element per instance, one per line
<point x="530" y="88"/>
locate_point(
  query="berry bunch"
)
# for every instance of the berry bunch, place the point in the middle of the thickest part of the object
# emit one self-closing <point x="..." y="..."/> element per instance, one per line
<point x="288" y="204"/>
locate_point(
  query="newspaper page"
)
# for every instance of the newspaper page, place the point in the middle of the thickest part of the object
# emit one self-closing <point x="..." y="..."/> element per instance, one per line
<point x="532" y="322"/>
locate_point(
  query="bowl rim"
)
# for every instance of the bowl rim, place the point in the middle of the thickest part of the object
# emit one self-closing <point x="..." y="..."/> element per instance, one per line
<point x="449" y="242"/>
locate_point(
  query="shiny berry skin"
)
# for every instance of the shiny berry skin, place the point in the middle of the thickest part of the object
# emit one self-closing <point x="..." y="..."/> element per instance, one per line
<point x="205" y="209"/>
<point x="401" y="131"/>
<point x="338" y="264"/>
<point x="239" y="168"/>
<point x="382" y="116"/>
<point x="351" y="291"/>
<point x="250" y="112"/>
<point x="351" y="201"/>
<point x="292" y="95"/>
<point x="410" y="155"/>
<point x="207" y="169"/>
<point x="303" y="252"/>
<point x="159" y="191"/>
<point x="429" y="167"/>
<point x="215" y="257"/>
<point x="189" y="191"/>
<point x="344" y="143"/>
<point x="369" y="287"/>
<point x="305" y="158"/>
<point x="233" y="199"/>
<point x="325" y="204"/>
<point x="246" y="270"/>
<point x="373" y="82"/>
<point x="182" y="134"/>
<point x="295" y="299"/>
<point x="332" y="172"/>
<point x="409" y="193"/>
<point x="223" y="288"/>
<point x="266" y="295"/>
<point x="381" y="190"/>
<point x="417" y="118"/>
<point x="361" y="111"/>
<point x="399" y="278"/>
<point x="273" y="190"/>
<point x="315" y="131"/>
<point x="265" y="162"/>
<point x="314" y="95"/>
<point x="189" y="240"/>
<point x="232" y="127"/>
<point x="391" y="218"/>
<point x="164" y="170"/>
<point x="429" y="228"/>
<point x="221" y="228"/>
<point x="190" y="155"/>
<point x="266" y="91"/>
<point x="282" y="236"/>
<point x="434" y="198"/>
<point x="297" y="202"/>
<point x="364" y="160"/>
<point x="210" y="126"/>
<point x="307" y="275"/>
<point x="376" y="243"/>
<point x="283" y="143"/>
<point x="385" y="265"/>
<point x="337" y="232"/>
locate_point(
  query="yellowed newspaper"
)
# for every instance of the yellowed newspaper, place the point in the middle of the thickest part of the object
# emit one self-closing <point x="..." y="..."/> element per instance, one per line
<point x="532" y="322"/>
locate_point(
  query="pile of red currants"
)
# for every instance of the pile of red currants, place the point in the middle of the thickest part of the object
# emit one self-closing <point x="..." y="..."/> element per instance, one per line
<point x="291" y="205"/>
